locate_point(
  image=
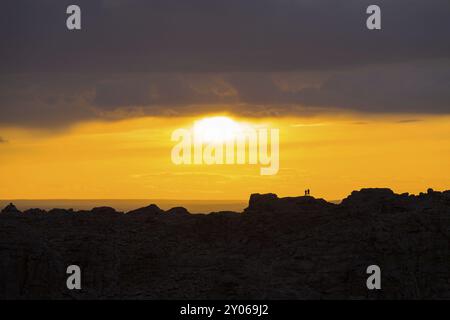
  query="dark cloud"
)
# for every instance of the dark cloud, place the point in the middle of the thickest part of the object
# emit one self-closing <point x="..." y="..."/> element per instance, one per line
<point x="401" y="89"/>
<point x="218" y="35"/>
<point x="45" y="99"/>
<point x="61" y="99"/>
<point x="164" y="90"/>
<point x="253" y="57"/>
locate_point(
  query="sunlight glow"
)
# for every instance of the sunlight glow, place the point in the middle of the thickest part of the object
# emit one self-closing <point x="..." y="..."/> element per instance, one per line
<point x="216" y="129"/>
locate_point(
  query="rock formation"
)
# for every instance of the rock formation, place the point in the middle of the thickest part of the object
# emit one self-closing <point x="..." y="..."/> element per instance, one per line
<point x="10" y="209"/>
<point x="278" y="248"/>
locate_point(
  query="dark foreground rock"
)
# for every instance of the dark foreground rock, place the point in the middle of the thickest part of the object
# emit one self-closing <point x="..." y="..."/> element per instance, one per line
<point x="279" y="248"/>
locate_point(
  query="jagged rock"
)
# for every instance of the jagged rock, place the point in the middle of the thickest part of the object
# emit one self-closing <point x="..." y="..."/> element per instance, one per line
<point x="11" y="209"/>
<point x="267" y="203"/>
<point x="366" y="196"/>
<point x="104" y="211"/>
<point x="261" y="202"/>
<point x="280" y="248"/>
<point x="151" y="210"/>
<point x="58" y="211"/>
<point x="34" y="211"/>
<point x="178" y="211"/>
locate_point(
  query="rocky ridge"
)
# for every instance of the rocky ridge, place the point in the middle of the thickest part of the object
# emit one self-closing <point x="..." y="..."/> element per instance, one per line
<point x="278" y="248"/>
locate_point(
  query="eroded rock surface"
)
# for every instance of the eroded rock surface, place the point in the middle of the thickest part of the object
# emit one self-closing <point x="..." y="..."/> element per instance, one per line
<point x="278" y="248"/>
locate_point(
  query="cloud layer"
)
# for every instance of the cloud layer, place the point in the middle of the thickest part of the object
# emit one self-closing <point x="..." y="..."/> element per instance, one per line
<point x="219" y="35"/>
<point x="265" y="57"/>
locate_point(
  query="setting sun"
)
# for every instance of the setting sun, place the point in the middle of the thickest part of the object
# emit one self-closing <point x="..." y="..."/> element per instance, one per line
<point x="216" y="129"/>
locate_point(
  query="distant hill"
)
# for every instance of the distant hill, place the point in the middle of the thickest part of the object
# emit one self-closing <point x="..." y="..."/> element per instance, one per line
<point x="277" y="248"/>
<point x="194" y="206"/>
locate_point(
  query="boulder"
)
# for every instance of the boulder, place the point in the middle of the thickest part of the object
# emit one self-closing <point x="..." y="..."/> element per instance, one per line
<point x="368" y="196"/>
<point x="178" y="211"/>
<point x="151" y="210"/>
<point x="261" y="202"/>
<point x="34" y="211"/>
<point x="104" y="211"/>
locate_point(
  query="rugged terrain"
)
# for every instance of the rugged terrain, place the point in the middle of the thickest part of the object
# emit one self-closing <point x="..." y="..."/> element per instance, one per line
<point x="278" y="248"/>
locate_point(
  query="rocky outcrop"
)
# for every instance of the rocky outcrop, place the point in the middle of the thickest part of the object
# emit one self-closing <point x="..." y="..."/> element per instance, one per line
<point x="150" y="211"/>
<point x="178" y="211"/>
<point x="278" y="248"/>
<point x="10" y="209"/>
<point x="270" y="203"/>
<point x="104" y="211"/>
<point x="34" y="211"/>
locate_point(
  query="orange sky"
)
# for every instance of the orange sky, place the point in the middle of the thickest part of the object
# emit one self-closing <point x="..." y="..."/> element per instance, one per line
<point x="130" y="159"/>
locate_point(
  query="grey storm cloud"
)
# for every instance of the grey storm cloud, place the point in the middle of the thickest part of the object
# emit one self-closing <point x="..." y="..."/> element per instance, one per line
<point x="52" y="99"/>
<point x="402" y="89"/>
<point x="251" y="57"/>
<point x="218" y="35"/>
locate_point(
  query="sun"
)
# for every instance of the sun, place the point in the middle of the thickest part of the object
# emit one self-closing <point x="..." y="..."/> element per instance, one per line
<point x="216" y="129"/>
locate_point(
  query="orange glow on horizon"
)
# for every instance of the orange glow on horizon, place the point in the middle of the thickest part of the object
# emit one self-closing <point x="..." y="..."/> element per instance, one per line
<point x="130" y="159"/>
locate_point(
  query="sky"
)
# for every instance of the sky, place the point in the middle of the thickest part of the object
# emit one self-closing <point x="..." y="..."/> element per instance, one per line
<point x="89" y="114"/>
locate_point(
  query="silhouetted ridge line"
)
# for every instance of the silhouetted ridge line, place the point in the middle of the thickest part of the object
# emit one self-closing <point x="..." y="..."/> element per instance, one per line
<point x="278" y="248"/>
<point x="270" y="203"/>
